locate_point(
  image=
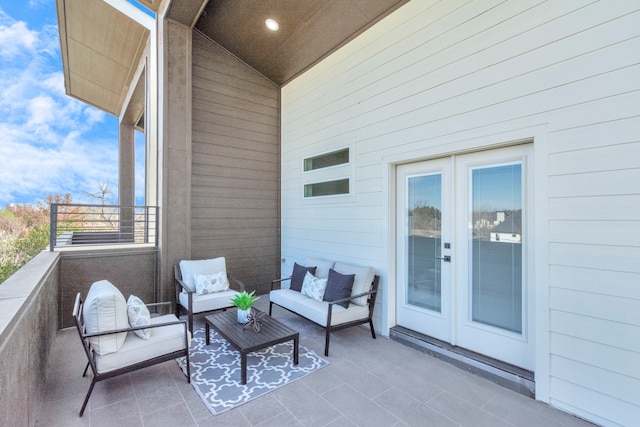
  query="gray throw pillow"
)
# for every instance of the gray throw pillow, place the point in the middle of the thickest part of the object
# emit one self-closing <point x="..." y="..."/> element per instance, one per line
<point x="297" y="277"/>
<point x="338" y="287"/>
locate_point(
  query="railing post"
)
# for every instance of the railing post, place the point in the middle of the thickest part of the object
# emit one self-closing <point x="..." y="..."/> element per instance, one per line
<point x="156" y="231"/>
<point x="53" y="225"/>
<point x="146" y="224"/>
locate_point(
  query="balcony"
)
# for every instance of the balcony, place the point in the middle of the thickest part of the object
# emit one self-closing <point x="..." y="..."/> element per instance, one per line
<point x="368" y="382"/>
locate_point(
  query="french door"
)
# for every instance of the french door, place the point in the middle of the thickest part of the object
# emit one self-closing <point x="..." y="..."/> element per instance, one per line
<point x="463" y="242"/>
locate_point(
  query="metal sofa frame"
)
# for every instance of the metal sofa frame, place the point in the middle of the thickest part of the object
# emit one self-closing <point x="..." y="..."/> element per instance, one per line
<point x="371" y="301"/>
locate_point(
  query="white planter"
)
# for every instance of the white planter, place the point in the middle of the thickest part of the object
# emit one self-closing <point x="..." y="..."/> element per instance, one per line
<point x="242" y="315"/>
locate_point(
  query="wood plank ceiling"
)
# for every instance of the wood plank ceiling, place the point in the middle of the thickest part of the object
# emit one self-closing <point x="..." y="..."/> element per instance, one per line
<point x="309" y="30"/>
<point x="101" y="47"/>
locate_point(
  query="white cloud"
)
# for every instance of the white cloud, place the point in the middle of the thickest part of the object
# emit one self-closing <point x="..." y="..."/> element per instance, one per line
<point x="50" y="143"/>
<point x="15" y="37"/>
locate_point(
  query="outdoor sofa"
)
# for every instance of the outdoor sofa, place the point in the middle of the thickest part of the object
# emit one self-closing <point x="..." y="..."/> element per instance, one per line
<point x="348" y="297"/>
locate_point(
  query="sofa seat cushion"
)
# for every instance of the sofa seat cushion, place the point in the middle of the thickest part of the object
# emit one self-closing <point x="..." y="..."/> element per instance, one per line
<point x="105" y="309"/>
<point x="164" y="340"/>
<point x="316" y="311"/>
<point x="208" y="302"/>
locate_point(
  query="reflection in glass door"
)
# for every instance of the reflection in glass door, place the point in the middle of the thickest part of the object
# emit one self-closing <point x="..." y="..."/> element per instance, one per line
<point x="496" y="246"/>
<point x="424" y="241"/>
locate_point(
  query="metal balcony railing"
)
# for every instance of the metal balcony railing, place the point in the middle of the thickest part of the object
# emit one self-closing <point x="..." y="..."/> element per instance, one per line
<point x="81" y="224"/>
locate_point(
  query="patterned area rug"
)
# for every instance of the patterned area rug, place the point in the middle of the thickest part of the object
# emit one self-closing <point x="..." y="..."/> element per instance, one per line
<point x="215" y="370"/>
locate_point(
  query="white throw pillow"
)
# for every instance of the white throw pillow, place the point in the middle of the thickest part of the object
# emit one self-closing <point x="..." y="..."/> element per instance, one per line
<point x="313" y="287"/>
<point x="105" y="309"/>
<point x="211" y="283"/>
<point x="361" y="283"/>
<point x="139" y="316"/>
<point x="202" y="266"/>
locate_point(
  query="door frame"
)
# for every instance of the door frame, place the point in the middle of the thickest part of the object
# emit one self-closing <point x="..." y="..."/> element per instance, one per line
<point x="495" y="136"/>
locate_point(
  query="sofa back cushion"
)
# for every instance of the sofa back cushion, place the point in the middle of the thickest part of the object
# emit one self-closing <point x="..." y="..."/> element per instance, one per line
<point x="339" y="286"/>
<point x="322" y="266"/>
<point x="297" y="277"/>
<point x="362" y="282"/>
<point x="105" y="309"/>
<point x="189" y="268"/>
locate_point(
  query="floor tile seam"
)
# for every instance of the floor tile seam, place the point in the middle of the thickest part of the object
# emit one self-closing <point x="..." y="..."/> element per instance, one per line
<point x="365" y="397"/>
<point x="477" y="407"/>
<point x="374" y="376"/>
<point x="320" y="396"/>
<point x="135" y="397"/>
<point x="184" y="400"/>
<point x="484" y="408"/>
<point x="164" y="408"/>
<point x="454" y="391"/>
<point x="538" y="411"/>
<point x="427" y="404"/>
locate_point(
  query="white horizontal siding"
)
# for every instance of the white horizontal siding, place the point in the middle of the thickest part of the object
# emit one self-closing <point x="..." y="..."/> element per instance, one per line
<point x="436" y="78"/>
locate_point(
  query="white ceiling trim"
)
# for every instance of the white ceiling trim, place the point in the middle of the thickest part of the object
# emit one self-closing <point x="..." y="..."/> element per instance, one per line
<point x="126" y="8"/>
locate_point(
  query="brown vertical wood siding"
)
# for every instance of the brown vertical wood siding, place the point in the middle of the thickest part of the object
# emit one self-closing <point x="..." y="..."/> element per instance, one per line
<point x="235" y="188"/>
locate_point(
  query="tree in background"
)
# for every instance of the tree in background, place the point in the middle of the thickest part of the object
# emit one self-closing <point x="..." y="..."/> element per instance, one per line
<point x="24" y="232"/>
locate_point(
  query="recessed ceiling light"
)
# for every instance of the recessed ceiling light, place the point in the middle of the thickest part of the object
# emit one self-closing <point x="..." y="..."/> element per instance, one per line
<point x="272" y="24"/>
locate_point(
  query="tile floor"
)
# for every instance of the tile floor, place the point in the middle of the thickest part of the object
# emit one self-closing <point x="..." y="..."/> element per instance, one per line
<point x="368" y="383"/>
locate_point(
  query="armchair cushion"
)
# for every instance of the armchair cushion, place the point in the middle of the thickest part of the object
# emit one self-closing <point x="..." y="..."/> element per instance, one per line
<point x="105" y="309"/>
<point x="211" y="283"/>
<point x="362" y="282"/>
<point x="139" y="315"/>
<point x="297" y="277"/>
<point x="322" y="266"/>
<point x="313" y="287"/>
<point x="208" y="302"/>
<point x="338" y="287"/>
<point x="190" y="268"/>
<point x="166" y="339"/>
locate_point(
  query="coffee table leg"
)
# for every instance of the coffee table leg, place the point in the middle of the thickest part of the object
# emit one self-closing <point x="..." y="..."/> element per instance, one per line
<point x="243" y="366"/>
<point x="206" y="331"/>
<point x="296" y="338"/>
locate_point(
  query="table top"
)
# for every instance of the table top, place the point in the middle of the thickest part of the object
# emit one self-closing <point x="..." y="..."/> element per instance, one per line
<point x="272" y="331"/>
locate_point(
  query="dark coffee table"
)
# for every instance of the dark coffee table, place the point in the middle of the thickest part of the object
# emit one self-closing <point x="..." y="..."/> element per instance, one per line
<point x="247" y="340"/>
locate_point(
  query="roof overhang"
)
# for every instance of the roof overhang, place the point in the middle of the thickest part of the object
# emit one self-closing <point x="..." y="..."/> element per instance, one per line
<point x="101" y="46"/>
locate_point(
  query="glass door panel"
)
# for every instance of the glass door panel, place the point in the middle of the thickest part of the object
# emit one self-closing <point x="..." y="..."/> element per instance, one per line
<point x="424" y="237"/>
<point x="496" y="246"/>
<point x="423" y="293"/>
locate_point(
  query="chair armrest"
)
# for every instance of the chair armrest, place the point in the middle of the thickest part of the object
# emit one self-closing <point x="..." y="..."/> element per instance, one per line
<point x="180" y="283"/>
<point x="371" y="292"/>
<point x="278" y="282"/>
<point x="154" y="306"/>
<point x="134" y="328"/>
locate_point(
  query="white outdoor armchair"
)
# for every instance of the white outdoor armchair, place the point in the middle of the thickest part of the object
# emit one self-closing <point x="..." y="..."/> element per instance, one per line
<point x="203" y="286"/>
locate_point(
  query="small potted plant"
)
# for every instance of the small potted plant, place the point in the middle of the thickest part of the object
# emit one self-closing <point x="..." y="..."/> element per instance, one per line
<point x="243" y="301"/>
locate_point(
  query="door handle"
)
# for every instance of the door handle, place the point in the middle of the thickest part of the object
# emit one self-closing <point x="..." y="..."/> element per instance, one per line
<point x="446" y="258"/>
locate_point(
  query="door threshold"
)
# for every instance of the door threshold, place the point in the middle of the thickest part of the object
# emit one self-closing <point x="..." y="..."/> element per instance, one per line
<point x="506" y="375"/>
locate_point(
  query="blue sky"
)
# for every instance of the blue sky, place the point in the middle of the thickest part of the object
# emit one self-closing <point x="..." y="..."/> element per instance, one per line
<point x="50" y="143"/>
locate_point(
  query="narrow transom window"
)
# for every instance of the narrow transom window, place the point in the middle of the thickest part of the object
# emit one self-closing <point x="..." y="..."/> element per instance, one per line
<point x="326" y="160"/>
<point x="327" y="188"/>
